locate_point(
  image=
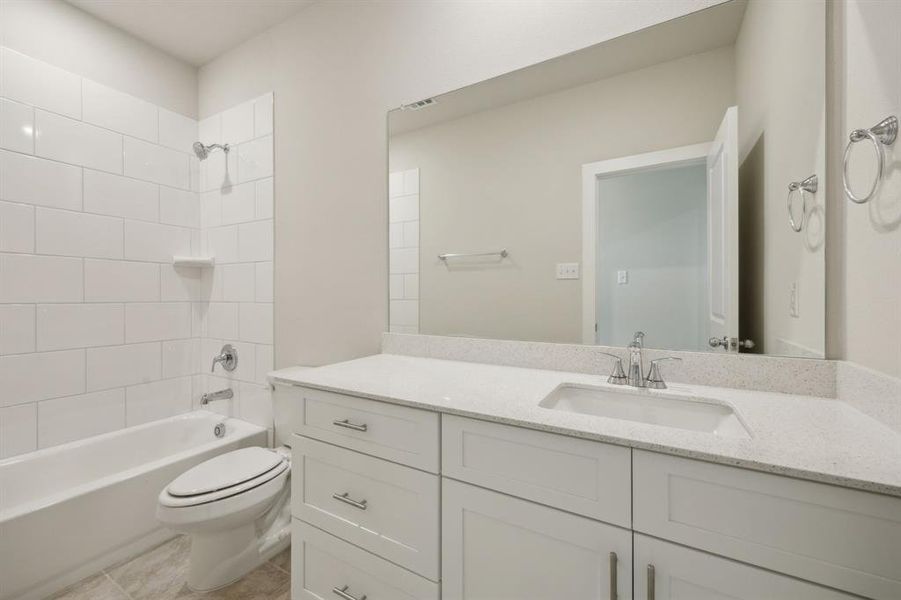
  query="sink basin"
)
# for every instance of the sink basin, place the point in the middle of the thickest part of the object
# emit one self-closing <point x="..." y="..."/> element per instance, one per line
<point x="667" y="410"/>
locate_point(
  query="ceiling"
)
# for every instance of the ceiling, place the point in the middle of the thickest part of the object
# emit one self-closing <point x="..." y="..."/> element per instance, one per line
<point x="195" y="31"/>
<point x="692" y="34"/>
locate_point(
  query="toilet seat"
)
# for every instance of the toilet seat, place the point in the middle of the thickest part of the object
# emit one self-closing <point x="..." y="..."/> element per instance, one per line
<point x="224" y="476"/>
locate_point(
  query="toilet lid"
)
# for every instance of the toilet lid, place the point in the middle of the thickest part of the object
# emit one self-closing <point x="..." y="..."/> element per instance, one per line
<point x="224" y="471"/>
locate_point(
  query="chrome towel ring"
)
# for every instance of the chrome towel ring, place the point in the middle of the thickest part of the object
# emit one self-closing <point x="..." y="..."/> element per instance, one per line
<point x="808" y="186"/>
<point x="882" y="134"/>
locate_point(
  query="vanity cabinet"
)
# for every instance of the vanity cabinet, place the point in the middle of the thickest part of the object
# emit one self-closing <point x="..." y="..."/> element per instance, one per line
<point x="393" y="502"/>
<point x="495" y="546"/>
<point x="380" y="506"/>
<point x="666" y="571"/>
<point x="843" y="538"/>
<point x="580" y="476"/>
<point x="325" y="567"/>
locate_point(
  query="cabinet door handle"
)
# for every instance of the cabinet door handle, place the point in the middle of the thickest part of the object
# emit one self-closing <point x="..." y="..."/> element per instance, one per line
<point x="342" y="591"/>
<point x="346" y="499"/>
<point x="613" y="576"/>
<point x="348" y="425"/>
<point x="652" y="584"/>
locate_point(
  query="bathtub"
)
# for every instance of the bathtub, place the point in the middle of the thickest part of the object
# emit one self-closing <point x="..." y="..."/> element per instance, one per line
<point x="69" y="511"/>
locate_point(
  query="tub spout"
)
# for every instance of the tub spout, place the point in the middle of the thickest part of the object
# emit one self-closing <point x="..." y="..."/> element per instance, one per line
<point x="226" y="394"/>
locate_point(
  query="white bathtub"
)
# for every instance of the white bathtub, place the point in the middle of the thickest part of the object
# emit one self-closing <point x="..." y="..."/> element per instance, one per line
<point x="68" y="511"/>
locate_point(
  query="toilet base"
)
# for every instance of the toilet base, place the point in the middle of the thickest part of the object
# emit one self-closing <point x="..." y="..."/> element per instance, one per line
<point x="218" y="559"/>
<point x="222" y="557"/>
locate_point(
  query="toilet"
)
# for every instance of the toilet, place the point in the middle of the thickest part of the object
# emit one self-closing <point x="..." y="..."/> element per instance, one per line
<point x="236" y="509"/>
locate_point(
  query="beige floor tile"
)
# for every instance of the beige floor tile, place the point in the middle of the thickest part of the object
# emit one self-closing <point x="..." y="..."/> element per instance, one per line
<point x="97" y="587"/>
<point x="159" y="574"/>
<point x="282" y="560"/>
<point x="266" y="582"/>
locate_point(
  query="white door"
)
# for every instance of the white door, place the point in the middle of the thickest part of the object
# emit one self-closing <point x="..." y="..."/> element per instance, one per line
<point x="496" y="547"/>
<point x="665" y="571"/>
<point x="722" y="230"/>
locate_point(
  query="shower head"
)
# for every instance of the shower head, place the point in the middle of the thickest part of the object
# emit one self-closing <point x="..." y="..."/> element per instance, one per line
<point x="203" y="151"/>
<point x="200" y="150"/>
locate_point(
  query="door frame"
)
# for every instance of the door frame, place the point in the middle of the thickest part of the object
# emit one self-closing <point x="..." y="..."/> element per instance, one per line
<point x="591" y="174"/>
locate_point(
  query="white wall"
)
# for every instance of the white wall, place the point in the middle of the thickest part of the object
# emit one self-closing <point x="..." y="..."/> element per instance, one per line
<point x="336" y="69"/>
<point x="511" y="177"/>
<point x="780" y="83"/>
<point x="97" y="329"/>
<point x="60" y="34"/>
<point x="653" y="225"/>
<point x="871" y="271"/>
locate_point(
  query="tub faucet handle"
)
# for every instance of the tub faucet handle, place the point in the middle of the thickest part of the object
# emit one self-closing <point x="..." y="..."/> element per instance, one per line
<point x="228" y="357"/>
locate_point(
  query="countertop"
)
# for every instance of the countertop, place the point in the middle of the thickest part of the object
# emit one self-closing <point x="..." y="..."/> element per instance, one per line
<point x="807" y="437"/>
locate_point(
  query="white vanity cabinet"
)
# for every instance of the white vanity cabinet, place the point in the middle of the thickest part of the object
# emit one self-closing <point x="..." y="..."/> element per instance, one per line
<point x="495" y="546"/>
<point x="393" y="502"/>
<point x="666" y="571"/>
<point x="364" y="498"/>
<point x="842" y="538"/>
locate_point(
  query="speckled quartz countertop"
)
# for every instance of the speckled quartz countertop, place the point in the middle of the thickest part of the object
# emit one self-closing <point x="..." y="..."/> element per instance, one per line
<point x="801" y="436"/>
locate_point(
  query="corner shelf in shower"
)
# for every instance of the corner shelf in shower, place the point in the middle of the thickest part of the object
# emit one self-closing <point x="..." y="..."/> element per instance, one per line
<point x="194" y="261"/>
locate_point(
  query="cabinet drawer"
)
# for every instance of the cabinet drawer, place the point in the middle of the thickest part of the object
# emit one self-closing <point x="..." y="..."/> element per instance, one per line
<point x="679" y="573"/>
<point x="846" y="539"/>
<point x="397" y="433"/>
<point x="588" y="478"/>
<point x="496" y="546"/>
<point x="322" y="564"/>
<point x="383" y="507"/>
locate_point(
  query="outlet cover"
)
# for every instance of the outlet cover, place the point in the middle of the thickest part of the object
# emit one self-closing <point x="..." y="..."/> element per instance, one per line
<point x="794" y="302"/>
<point x="622" y="277"/>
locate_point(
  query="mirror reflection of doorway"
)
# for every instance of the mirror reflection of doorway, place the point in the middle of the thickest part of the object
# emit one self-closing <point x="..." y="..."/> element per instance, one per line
<point x="660" y="245"/>
<point x="652" y="257"/>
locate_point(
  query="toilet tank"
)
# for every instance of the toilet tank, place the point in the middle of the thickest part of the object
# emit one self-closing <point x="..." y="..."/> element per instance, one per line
<point x="286" y="407"/>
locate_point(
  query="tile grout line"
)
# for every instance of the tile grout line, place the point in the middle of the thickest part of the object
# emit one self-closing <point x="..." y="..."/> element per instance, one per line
<point x="116" y="584"/>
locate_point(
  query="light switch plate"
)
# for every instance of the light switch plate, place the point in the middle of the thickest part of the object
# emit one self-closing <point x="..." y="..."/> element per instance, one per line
<point x="567" y="270"/>
<point x="622" y="277"/>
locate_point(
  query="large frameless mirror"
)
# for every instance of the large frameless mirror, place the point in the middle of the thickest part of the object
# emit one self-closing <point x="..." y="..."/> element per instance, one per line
<point x="669" y="181"/>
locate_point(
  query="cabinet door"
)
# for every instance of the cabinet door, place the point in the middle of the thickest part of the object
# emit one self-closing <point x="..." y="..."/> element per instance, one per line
<point x="665" y="571"/>
<point x="495" y="547"/>
<point x="845" y="539"/>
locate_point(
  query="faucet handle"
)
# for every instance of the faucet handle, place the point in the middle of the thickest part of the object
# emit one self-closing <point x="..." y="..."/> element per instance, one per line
<point x="228" y="357"/>
<point x="638" y="338"/>
<point x="655" y="380"/>
<point x="618" y="376"/>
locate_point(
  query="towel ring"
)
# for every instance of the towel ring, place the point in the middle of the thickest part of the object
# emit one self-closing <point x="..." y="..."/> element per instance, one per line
<point x="882" y="134"/>
<point x="809" y="186"/>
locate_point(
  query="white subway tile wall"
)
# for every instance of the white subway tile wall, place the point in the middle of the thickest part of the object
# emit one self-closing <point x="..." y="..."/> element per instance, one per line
<point x="236" y="199"/>
<point x="98" y="191"/>
<point x="403" y="251"/>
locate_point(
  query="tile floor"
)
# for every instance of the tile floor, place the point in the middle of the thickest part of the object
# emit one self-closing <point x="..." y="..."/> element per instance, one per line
<point x="159" y="574"/>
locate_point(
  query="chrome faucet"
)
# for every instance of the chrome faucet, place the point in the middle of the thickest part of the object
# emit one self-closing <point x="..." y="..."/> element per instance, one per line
<point x="636" y="376"/>
<point x="226" y="394"/>
<point x="228" y="357"/>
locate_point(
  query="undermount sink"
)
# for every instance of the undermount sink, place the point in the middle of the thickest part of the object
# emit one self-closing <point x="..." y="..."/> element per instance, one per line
<point x="668" y="410"/>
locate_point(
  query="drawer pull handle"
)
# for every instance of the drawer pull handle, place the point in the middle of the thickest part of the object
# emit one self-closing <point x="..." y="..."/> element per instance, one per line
<point x="347" y="500"/>
<point x="342" y="591"/>
<point x="652" y="584"/>
<point x="613" y="576"/>
<point x="348" y="425"/>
